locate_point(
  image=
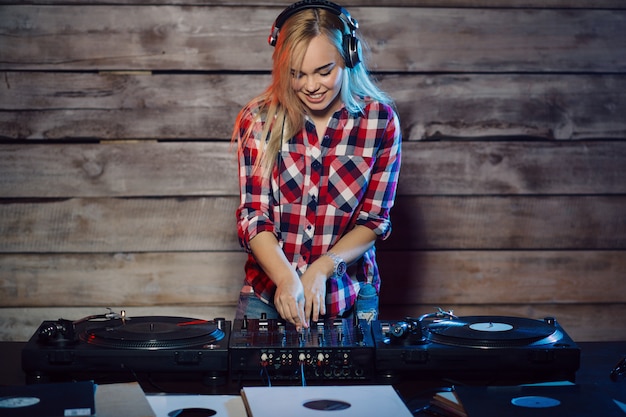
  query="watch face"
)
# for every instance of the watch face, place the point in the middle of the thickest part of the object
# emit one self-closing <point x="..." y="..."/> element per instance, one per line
<point x="341" y="269"/>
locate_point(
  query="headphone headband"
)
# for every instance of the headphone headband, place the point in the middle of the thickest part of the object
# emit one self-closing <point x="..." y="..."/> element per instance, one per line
<point x="350" y="40"/>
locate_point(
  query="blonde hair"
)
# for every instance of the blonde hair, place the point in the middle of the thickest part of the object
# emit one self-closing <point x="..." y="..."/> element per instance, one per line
<point x="279" y="105"/>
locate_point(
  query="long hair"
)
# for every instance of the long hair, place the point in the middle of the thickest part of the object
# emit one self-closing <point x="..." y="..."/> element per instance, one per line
<point x="279" y="106"/>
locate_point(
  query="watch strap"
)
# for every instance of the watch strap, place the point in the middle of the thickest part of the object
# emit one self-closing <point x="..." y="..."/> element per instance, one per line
<point x="339" y="267"/>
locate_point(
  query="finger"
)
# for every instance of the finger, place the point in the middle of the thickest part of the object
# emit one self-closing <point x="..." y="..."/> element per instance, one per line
<point x="322" y="305"/>
<point x="309" y="308"/>
<point x="283" y="310"/>
<point x="299" y="316"/>
<point x="316" y="306"/>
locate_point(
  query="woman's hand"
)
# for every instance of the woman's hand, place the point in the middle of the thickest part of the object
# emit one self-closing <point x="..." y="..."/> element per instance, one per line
<point x="314" y="283"/>
<point x="289" y="301"/>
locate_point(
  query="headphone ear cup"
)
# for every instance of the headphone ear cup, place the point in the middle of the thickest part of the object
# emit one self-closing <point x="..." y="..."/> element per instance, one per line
<point x="351" y="50"/>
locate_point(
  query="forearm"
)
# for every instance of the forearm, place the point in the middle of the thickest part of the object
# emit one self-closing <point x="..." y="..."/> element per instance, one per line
<point x="350" y="248"/>
<point x="289" y="297"/>
<point x="271" y="258"/>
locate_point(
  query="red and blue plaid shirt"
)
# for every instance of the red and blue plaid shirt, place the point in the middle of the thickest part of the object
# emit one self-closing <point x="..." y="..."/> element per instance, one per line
<point x="320" y="188"/>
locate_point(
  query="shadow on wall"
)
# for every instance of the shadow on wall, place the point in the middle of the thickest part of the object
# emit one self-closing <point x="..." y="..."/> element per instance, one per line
<point x="397" y="271"/>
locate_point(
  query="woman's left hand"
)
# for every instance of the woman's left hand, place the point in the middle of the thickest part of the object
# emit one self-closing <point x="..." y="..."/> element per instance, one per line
<point x="314" y="283"/>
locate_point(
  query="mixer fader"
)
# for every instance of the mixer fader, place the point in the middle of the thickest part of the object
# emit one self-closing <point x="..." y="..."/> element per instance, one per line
<point x="273" y="350"/>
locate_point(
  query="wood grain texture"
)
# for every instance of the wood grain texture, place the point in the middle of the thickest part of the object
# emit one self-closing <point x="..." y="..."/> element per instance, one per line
<point x="409" y="277"/>
<point x="146" y="168"/>
<point x="91" y="225"/>
<point x="123" y="279"/>
<point x="502" y="277"/>
<point x="501" y="222"/>
<point x="118" y="183"/>
<point x="86" y="106"/>
<point x="132" y="37"/>
<point x="120" y="225"/>
<point x="156" y="169"/>
<point x="279" y="4"/>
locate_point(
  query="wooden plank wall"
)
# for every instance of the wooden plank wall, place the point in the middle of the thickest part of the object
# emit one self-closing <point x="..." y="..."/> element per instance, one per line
<point x="118" y="183"/>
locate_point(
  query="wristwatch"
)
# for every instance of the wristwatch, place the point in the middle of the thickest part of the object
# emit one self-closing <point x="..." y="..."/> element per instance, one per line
<point x="340" y="265"/>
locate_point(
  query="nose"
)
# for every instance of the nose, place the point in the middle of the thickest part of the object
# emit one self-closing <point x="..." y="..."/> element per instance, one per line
<point x="311" y="85"/>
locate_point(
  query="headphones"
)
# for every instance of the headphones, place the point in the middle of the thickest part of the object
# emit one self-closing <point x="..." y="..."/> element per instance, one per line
<point x="350" y="41"/>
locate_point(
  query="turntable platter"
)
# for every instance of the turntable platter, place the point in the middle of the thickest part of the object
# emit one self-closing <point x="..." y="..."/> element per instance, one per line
<point x="490" y="331"/>
<point x="153" y="332"/>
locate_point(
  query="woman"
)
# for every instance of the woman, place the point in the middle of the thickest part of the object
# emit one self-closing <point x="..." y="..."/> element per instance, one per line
<point x="319" y="157"/>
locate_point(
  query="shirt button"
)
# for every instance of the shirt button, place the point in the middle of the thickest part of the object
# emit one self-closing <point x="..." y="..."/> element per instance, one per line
<point x="316" y="165"/>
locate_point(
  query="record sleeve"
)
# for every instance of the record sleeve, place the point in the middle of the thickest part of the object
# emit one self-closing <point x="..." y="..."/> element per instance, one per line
<point x="537" y="401"/>
<point x="170" y="405"/>
<point x="48" y="400"/>
<point x="324" y="401"/>
<point x="125" y="399"/>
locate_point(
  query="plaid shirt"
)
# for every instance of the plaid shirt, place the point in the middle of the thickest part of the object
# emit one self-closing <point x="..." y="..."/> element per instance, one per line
<point x="320" y="189"/>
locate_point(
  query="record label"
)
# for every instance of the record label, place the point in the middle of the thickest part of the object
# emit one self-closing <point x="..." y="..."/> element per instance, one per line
<point x="326" y="405"/>
<point x="534" y="401"/>
<point x="18" y="402"/>
<point x="491" y="327"/>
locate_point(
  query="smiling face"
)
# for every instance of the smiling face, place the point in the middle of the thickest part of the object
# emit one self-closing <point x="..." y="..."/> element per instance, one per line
<point x="318" y="82"/>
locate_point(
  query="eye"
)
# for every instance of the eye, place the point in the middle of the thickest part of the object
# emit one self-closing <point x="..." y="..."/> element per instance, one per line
<point x="297" y="75"/>
<point x="327" y="70"/>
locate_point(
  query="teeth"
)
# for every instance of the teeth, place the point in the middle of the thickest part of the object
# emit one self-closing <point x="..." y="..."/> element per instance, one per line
<point x="315" y="95"/>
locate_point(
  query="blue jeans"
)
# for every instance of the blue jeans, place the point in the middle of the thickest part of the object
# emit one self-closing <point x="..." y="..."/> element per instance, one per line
<point x="251" y="306"/>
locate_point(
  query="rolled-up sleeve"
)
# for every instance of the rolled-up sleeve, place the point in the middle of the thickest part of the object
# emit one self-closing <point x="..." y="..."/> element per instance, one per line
<point x="253" y="213"/>
<point x="379" y="199"/>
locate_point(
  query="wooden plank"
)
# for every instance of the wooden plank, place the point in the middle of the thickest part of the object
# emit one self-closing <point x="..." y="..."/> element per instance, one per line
<point x="202" y="38"/>
<point x="89" y="225"/>
<point x="566" y="4"/>
<point x="121" y="279"/>
<point x="71" y="106"/>
<point x="215" y="278"/>
<point x="582" y="322"/>
<point x="513" y="167"/>
<point x="122" y="106"/>
<point x="484" y="105"/>
<point x="147" y="169"/>
<point x="508" y="222"/>
<point x="119" y="225"/>
<point x="502" y="277"/>
<point x="153" y="169"/>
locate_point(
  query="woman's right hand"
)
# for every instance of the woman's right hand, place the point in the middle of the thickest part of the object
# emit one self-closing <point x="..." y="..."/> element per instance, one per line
<point x="289" y="301"/>
<point x="289" y="296"/>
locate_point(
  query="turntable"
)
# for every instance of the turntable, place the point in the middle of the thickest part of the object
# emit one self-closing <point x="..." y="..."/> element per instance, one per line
<point x="115" y="344"/>
<point x="475" y="349"/>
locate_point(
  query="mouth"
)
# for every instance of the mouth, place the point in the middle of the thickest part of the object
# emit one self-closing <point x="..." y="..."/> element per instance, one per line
<point x="315" y="98"/>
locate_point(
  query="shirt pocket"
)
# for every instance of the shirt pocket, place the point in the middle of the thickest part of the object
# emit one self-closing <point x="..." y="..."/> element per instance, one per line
<point x="348" y="178"/>
<point x="291" y="171"/>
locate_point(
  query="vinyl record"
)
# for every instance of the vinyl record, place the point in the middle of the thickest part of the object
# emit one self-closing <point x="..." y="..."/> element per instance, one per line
<point x="575" y="400"/>
<point x="152" y="332"/>
<point x="491" y="331"/>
